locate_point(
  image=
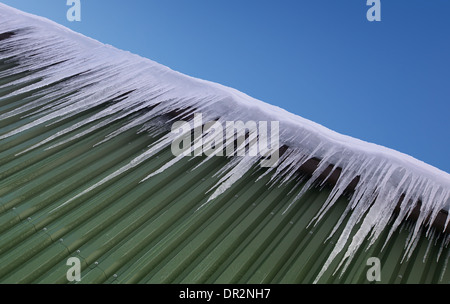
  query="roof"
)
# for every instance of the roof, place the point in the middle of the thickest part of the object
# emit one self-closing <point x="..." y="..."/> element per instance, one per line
<point x="78" y="163"/>
<point x="151" y="232"/>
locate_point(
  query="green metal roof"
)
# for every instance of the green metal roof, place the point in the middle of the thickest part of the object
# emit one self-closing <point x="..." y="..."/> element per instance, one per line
<point x="127" y="231"/>
<point x="69" y="196"/>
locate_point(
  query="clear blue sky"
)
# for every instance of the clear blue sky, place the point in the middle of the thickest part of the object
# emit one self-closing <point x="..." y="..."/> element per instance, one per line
<point x="385" y="82"/>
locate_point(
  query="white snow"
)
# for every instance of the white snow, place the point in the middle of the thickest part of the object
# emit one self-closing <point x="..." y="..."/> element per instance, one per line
<point x="96" y="73"/>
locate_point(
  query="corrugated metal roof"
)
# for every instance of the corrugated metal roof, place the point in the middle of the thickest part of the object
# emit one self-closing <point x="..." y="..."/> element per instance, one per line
<point x="127" y="231"/>
<point x="55" y="202"/>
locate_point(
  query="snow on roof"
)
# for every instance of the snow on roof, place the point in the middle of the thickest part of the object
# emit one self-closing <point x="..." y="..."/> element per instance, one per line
<point x="95" y="74"/>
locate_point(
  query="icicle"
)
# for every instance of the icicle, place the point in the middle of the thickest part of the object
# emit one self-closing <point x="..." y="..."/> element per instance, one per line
<point x="155" y="148"/>
<point x="242" y="167"/>
<point x="430" y="242"/>
<point x="444" y="269"/>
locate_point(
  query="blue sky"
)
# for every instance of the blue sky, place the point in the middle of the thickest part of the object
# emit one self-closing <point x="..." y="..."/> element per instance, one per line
<point x="385" y="82"/>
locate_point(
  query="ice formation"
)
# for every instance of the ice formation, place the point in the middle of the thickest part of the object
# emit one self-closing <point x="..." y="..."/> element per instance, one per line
<point x="75" y="74"/>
